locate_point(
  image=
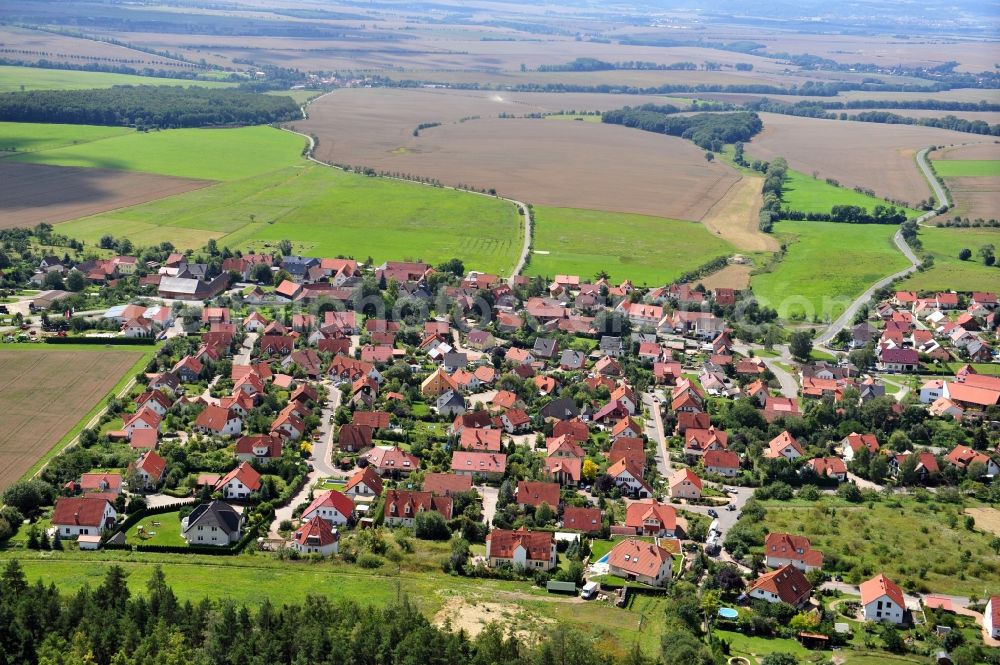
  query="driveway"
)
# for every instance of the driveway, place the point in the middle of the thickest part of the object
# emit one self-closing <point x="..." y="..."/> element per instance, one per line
<point x="243" y="357"/>
<point x="656" y="432"/>
<point x="323" y="448"/>
<point x="490" y="496"/>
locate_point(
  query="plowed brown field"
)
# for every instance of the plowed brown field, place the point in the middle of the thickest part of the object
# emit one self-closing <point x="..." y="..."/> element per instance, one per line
<point x="35" y="193"/>
<point x="44" y="393"/>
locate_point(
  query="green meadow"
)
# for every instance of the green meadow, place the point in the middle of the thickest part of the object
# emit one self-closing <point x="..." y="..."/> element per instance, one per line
<point x="13" y="79"/>
<point x="207" y="154"/>
<point x="325" y="212"/>
<point x="807" y="194"/>
<point x="960" y="168"/>
<point x="826" y="266"/>
<point x="23" y="137"/>
<point x="647" y="250"/>
<point x="948" y="272"/>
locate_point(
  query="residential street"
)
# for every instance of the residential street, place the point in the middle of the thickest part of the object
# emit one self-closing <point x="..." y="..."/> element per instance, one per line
<point x="652" y="403"/>
<point x="789" y="384"/>
<point x="490" y="496"/>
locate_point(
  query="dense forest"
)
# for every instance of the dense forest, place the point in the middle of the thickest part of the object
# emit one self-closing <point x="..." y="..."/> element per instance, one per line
<point x="707" y="130"/>
<point x="146" y="106"/>
<point x="108" y="625"/>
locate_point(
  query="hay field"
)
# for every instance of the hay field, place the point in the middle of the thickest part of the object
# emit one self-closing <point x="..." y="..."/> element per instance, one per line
<point x="13" y="79"/>
<point x="44" y="393"/>
<point x="971" y="174"/>
<point x="560" y="164"/>
<point x="205" y="154"/>
<point x="874" y="156"/>
<point x="648" y="250"/>
<point x="325" y="212"/>
<point x="35" y="193"/>
<point x="826" y="266"/>
<point x="948" y="272"/>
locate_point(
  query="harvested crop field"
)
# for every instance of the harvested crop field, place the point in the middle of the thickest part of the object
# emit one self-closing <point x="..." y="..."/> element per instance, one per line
<point x="34" y="193"/>
<point x="734" y="276"/>
<point x="44" y="393"/>
<point x="985" y="150"/>
<point x="735" y="217"/>
<point x="969" y="172"/>
<point x="857" y="154"/>
<point x="563" y="164"/>
<point x="986" y="518"/>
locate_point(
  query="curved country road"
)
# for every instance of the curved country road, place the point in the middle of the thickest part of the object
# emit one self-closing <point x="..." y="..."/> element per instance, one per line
<point x="522" y="207"/>
<point x="844" y="319"/>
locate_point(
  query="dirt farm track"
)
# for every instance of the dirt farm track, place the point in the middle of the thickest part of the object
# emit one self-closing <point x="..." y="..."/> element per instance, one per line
<point x="44" y="393"/>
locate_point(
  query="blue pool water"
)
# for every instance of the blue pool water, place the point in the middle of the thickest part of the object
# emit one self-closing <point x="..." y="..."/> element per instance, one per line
<point x="604" y="559"/>
<point x="728" y="613"/>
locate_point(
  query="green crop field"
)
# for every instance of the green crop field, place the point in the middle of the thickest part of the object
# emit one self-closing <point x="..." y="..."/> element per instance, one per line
<point x="948" y="272"/>
<point x="807" y="194"/>
<point x="918" y="545"/>
<point x="13" y="79"/>
<point x="18" y="137"/>
<point x="647" y="250"/>
<point x="826" y="266"/>
<point x="209" y="154"/>
<point x="325" y="212"/>
<point x="958" y="168"/>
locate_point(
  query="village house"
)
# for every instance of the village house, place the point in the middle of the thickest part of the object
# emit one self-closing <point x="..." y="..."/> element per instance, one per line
<point x="402" y="507"/>
<point x="365" y="483"/>
<point x="533" y="493"/>
<point x="586" y="520"/>
<point x="447" y="484"/>
<point x="316" y="537"/>
<point x="650" y="518"/>
<point x="491" y="466"/>
<point x="148" y="471"/>
<point x="991" y="617"/>
<point x="332" y="506"/>
<point x="639" y="561"/>
<point x="684" y="484"/>
<point x="392" y="461"/>
<point x="628" y="478"/>
<point x="882" y="601"/>
<point x="528" y="550"/>
<point x="261" y="448"/>
<point x="833" y="468"/>
<point x="239" y="483"/>
<point x="212" y="524"/>
<point x="82" y="516"/>
<point x="854" y="442"/>
<point x="219" y="421"/>
<point x="785" y="585"/>
<point x="783" y="549"/>
<point x="724" y="463"/>
<point x="784" y="445"/>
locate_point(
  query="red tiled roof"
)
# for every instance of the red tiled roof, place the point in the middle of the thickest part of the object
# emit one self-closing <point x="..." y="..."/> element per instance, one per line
<point x="407" y="504"/>
<point x="787" y="582"/>
<point x="368" y="477"/>
<point x="587" y="520"/>
<point x="332" y="499"/>
<point x="640" y="511"/>
<point x="487" y="440"/>
<point x="502" y="543"/>
<point x="639" y="557"/>
<point x="447" y="483"/>
<point x="317" y="532"/>
<point x="879" y="586"/>
<point x="534" y="493"/>
<point x="79" y="511"/>
<point x="787" y="546"/>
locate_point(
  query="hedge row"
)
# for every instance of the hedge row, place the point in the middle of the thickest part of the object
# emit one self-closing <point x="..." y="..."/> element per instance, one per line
<point x="105" y="341"/>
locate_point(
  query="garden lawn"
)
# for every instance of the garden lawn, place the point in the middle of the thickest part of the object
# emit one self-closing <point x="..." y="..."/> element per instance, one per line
<point x="948" y="272"/>
<point x="207" y="154"/>
<point x="20" y="137"/>
<point x="162" y="529"/>
<point x="827" y="266"/>
<point x="325" y="212"/>
<point x="647" y="250"/>
<point x="960" y="168"/>
<point x="913" y="543"/>
<point x="13" y="79"/>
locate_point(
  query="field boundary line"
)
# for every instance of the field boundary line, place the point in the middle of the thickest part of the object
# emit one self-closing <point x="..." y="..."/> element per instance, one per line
<point x="852" y="309"/>
<point x="523" y="209"/>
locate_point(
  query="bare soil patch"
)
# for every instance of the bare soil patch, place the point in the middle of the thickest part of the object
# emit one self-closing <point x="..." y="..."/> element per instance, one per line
<point x="473" y="615"/>
<point x="974" y="197"/>
<point x="873" y="156"/>
<point x="735" y="217"/>
<point x="44" y="393"/>
<point x="986" y="518"/>
<point x="545" y="162"/>
<point x="35" y="193"/>
<point x="735" y="276"/>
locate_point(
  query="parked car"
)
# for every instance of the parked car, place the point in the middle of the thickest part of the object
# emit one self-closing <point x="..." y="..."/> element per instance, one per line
<point x="730" y="507"/>
<point x="712" y="512"/>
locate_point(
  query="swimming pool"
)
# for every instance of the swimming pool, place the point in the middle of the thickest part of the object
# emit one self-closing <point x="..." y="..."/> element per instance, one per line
<point x="728" y="613"/>
<point x="604" y="559"/>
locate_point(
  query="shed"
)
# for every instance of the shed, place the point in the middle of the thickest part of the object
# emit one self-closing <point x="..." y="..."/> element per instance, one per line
<point x="89" y="541"/>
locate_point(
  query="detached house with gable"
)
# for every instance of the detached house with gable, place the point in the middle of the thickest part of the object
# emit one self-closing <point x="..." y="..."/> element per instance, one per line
<point x="528" y="550"/>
